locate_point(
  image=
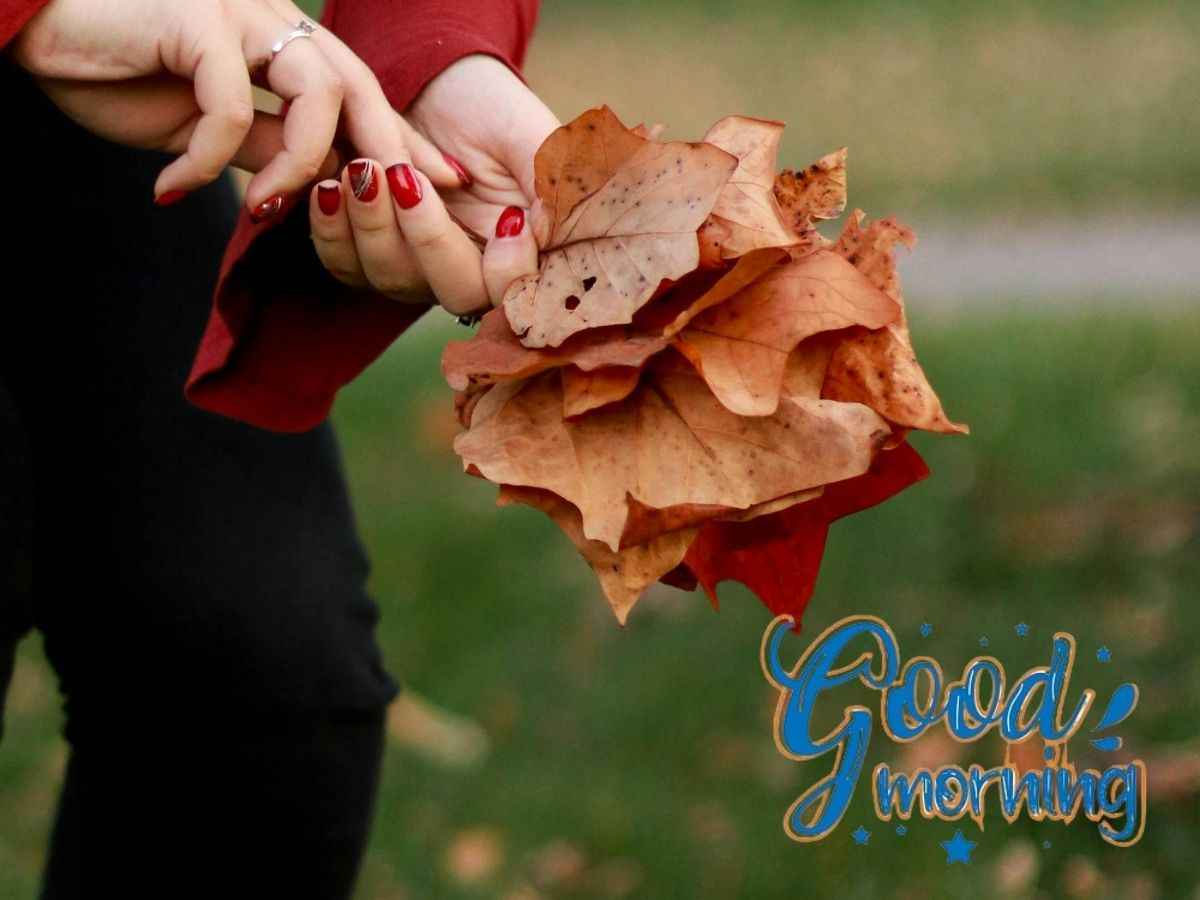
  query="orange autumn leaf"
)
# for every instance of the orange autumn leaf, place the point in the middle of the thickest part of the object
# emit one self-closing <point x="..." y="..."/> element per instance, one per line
<point x="495" y="354"/>
<point x="813" y="194"/>
<point x="745" y="271"/>
<point x="623" y="574"/>
<point x="616" y="216"/>
<point x="878" y="367"/>
<point x="746" y="215"/>
<point x="741" y="346"/>
<point x="585" y="391"/>
<point x="668" y="444"/>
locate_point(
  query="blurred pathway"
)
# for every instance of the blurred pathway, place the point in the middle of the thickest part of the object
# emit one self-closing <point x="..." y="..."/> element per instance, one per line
<point x="1107" y="262"/>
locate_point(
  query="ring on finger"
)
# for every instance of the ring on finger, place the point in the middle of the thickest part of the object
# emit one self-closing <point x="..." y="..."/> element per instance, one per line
<point x="303" y="29"/>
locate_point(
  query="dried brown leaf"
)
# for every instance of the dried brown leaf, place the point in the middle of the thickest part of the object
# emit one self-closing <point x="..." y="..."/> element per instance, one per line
<point x="877" y="366"/>
<point x="741" y="347"/>
<point x="747" y="270"/>
<point x="746" y="215"/>
<point x="495" y="354"/>
<point x="813" y="194"/>
<point x="670" y="443"/>
<point x="585" y="391"/>
<point x="617" y="215"/>
<point x="623" y="574"/>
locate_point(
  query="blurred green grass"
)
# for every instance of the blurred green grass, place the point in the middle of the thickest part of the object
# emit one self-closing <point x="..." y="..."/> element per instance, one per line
<point x="991" y="109"/>
<point x="1074" y="504"/>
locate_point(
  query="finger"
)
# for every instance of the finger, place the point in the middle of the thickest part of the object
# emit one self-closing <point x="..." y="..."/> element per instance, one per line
<point x="371" y="123"/>
<point x="263" y="142"/>
<point x="385" y="259"/>
<point x="331" y="233"/>
<point x="450" y="262"/>
<point x="510" y="254"/>
<point x="302" y="76"/>
<point x="217" y="67"/>
<point x="433" y="162"/>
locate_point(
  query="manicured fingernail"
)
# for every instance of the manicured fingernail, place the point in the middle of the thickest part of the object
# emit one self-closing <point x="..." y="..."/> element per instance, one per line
<point x="329" y="197"/>
<point x="169" y="197"/>
<point x="511" y="221"/>
<point x="267" y="208"/>
<point x="363" y="181"/>
<point x="405" y="187"/>
<point x="463" y="175"/>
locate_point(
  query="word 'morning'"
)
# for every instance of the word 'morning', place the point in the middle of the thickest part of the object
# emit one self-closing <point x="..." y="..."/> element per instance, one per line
<point x="915" y="698"/>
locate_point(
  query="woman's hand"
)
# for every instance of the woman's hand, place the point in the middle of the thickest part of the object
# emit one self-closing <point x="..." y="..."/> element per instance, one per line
<point x="480" y="112"/>
<point x="175" y="75"/>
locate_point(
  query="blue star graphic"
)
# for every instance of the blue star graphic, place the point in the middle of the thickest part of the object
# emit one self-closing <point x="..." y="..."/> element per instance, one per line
<point x="1046" y="845"/>
<point x="1022" y="629"/>
<point x="901" y="830"/>
<point x="983" y="641"/>
<point x="958" y="849"/>
<point x="926" y="630"/>
<point x="1104" y="654"/>
<point x="860" y="835"/>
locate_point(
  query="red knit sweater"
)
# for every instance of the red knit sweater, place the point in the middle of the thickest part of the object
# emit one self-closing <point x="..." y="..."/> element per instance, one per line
<point x="283" y="336"/>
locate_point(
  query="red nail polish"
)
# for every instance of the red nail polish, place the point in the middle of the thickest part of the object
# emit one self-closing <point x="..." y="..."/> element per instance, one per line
<point x="511" y="221"/>
<point x="329" y="198"/>
<point x="405" y="187"/>
<point x="463" y="175"/>
<point x="363" y="181"/>
<point x="169" y="197"/>
<point x="267" y="208"/>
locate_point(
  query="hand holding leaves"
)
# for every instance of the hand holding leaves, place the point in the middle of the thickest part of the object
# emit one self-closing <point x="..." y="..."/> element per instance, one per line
<point x="696" y="382"/>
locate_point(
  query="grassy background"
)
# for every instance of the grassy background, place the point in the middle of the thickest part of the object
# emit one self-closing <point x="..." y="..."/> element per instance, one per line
<point x="997" y="109"/>
<point x="640" y="763"/>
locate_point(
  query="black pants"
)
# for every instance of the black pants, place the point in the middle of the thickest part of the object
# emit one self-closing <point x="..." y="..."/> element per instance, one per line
<point x="198" y="583"/>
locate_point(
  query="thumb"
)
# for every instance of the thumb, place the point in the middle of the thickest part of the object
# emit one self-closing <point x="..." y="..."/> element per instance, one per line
<point x="510" y="254"/>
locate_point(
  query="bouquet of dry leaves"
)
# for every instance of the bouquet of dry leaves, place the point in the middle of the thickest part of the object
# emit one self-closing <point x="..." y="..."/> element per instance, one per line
<point x="696" y="382"/>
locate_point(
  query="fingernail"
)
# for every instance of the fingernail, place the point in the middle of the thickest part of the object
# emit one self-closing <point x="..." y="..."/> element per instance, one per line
<point x="363" y="181"/>
<point x="267" y="208"/>
<point x="329" y="197"/>
<point x="405" y="187"/>
<point x="511" y="221"/>
<point x="463" y="175"/>
<point x="169" y="197"/>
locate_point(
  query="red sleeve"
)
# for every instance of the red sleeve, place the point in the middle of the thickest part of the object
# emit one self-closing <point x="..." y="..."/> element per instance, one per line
<point x="13" y="16"/>
<point x="283" y="335"/>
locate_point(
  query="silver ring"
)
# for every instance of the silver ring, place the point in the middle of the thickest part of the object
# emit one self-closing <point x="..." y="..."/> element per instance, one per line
<point x="303" y="29"/>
